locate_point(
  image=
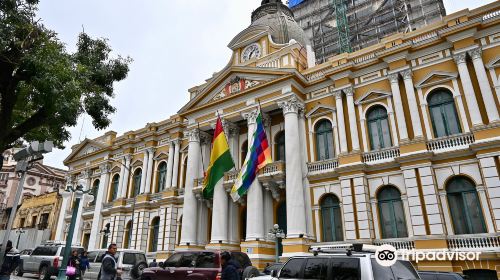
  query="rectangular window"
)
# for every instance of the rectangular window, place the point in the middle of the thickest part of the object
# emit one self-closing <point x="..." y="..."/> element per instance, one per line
<point x="346" y="268"/>
<point x="128" y="258"/>
<point x="316" y="268"/>
<point x="292" y="269"/>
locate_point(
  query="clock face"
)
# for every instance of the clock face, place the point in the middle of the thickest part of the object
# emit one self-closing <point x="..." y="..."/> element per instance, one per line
<point x="251" y="51"/>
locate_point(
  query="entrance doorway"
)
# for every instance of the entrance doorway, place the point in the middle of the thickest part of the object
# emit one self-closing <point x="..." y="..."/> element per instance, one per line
<point x="85" y="240"/>
<point x="281" y="221"/>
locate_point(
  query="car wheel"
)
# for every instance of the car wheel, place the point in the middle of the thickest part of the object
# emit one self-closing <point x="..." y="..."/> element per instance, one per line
<point x="18" y="271"/>
<point x="250" y="272"/>
<point x="44" y="273"/>
<point x="137" y="270"/>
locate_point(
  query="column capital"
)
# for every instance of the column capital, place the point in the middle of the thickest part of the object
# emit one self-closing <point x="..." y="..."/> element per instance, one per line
<point x="460" y="58"/>
<point x="104" y="168"/>
<point x="127" y="157"/>
<point x="407" y="74"/>
<point x="151" y="150"/>
<point x="475" y="53"/>
<point x="193" y="135"/>
<point x="481" y="188"/>
<point x="230" y="128"/>
<point x="442" y="193"/>
<point x="175" y="141"/>
<point x="393" y="78"/>
<point x="292" y="105"/>
<point x="337" y="94"/>
<point x="349" y="91"/>
<point x="250" y="116"/>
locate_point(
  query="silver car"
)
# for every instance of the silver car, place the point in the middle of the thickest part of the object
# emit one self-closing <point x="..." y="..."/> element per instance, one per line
<point x="131" y="262"/>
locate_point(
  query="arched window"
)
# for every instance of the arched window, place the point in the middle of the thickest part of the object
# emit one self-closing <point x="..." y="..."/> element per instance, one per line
<point x="331" y="218"/>
<point x="392" y="218"/>
<point x="95" y="190"/>
<point x="443" y="113"/>
<point x="114" y="187"/>
<point x="105" y="236"/>
<point x="244" y="151"/>
<point x="127" y="235"/>
<point x="324" y="140"/>
<point x="280" y="146"/>
<point x="136" y="183"/>
<point x="153" y="234"/>
<point x="378" y="128"/>
<point x="162" y="176"/>
<point x="466" y="212"/>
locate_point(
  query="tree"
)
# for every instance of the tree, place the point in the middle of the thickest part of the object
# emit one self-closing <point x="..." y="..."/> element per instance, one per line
<point x="43" y="87"/>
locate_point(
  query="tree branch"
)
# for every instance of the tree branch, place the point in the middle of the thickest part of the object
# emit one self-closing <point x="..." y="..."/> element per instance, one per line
<point x="36" y="120"/>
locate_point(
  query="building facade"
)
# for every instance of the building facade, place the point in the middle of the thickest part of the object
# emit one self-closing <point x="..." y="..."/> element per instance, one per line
<point x="360" y="23"/>
<point x="40" y="179"/>
<point x="397" y="143"/>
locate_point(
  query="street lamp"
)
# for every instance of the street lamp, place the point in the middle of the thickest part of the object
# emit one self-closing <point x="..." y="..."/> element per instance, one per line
<point x="277" y="234"/>
<point x="19" y="231"/>
<point x="79" y="192"/>
<point x="24" y="159"/>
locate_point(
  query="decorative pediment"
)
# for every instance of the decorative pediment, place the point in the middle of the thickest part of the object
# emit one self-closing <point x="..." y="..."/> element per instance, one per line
<point x="435" y="78"/>
<point x="161" y="155"/>
<point x="372" y="96"/>
<point x="320" y="110"/>
<point x="494" y="63"/>
<point x="235" y="85"/>
<point x="86" y="147"/>
<point x="115" y="168"/>
<point x="137" y="162"/>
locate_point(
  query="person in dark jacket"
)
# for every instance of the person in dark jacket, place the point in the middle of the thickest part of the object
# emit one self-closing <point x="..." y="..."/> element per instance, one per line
<point x="108" y="268"/>
<point x="84" y="263"/>
<point x="10" y="262"/>
<point x="153" y="263"/>
<point x="230" y="268"/>
<point x="74" y="261"/>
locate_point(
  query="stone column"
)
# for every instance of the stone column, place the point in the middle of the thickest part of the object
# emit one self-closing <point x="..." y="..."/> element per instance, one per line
<point x="460" y="105"/>
<point x="122" y="177"/>
<point x="412" y="103"/>
<point x="255" y="194"/>
<point x="126" y="176"/>
<point x="78" y="228"/>
<point x="232" y="131"/>
<point x="484" y="85"/>
<point x="492" y="184"/>
<point x="149" y="170"/>
<point x="305" y="181"/>
<point x="398" y="106"/>
<point x="295" y="201"/>
<point x="175" y="168"/>
<point x="390" y="112"/>
<point x="335" y="135"/>
<point x="170" y="164"/>
<point x="144" y="171"/>
<point x="62" y="213"/>
<point x="470" y="96"/>
<point x="96" y="220"/>
<point x="190" y="210"/>
<point x="340" y="121"/>
<point x="362" y="120"/>
<point x="352" y="118"/>
<point x="446" y="215"/>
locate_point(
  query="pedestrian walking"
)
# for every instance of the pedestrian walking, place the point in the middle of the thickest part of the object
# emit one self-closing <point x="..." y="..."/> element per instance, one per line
<point x="84" y="263"/>
<point x="153" y="263"/>
<point x="108" y="268"/>
<point x="230" y="268"/>
<point x="10" y="262"/>
<point x="74" y="261"/>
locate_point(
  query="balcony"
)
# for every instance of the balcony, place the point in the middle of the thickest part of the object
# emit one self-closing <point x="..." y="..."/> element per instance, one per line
<point x="323" y="167"/>
<point x="272" y="173"/>
<point x="381" y="155"/>
<point x="90" y="208"/>
<point x="398" y="243"/>
<point x="108" y="205"/>
<point x="450" y="143"/>
<point x="474" y="242"/>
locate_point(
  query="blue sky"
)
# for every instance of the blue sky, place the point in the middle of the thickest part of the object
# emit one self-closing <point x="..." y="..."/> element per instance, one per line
<point x="175" y="44"/>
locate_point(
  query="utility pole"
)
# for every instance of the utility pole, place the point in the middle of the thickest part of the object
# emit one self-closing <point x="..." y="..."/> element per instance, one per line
<point x="24" y="159"/>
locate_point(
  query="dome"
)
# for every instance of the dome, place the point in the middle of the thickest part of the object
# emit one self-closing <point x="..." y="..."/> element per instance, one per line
<point x="279" y="18"/>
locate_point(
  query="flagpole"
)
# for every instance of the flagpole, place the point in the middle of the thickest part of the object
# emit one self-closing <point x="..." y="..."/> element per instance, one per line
<point x="225" y="136"/>
<point x="201" y="152"/>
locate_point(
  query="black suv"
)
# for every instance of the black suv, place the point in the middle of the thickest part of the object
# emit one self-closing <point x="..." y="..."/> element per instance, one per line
<point x="438" y="275"/>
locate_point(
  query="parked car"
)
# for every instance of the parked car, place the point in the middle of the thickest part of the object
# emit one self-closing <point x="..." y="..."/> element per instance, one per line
<point x="439" y="275"/>
<point x="131" y="262"/>
<point x="198" y="265"/>
<point x="345" y="265"/>
<point x="45" y="260"/>
<point x="271" y="267"/>
<point x="25" y="252"/>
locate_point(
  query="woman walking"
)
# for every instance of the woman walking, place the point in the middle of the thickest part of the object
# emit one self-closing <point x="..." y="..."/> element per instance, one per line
<point x="84" y="264"/>
<point x="74" y="261"/>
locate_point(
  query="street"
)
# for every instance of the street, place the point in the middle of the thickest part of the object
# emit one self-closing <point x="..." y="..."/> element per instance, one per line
<point x="24" y="277"/>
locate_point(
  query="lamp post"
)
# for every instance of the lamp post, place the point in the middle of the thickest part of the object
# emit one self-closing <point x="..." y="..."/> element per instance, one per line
<point x="24" y="159"/>
<point x="19" y="231"/>
<point x="277" y="234"/>
<point x="79" y="192"/>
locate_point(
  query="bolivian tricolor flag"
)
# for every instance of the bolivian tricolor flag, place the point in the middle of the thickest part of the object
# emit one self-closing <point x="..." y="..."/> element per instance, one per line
<point x="258" y="156"/>
<point x="220" y="161"/>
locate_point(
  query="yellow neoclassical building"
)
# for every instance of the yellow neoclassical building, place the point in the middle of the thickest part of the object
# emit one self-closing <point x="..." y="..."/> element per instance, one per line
<point x="397" y="143"/>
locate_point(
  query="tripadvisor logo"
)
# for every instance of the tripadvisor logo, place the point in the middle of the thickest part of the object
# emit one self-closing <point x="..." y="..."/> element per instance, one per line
<point x="386" y="255"/>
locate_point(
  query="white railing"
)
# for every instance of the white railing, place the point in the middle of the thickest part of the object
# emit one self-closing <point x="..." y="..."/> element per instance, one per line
<point x="450" y="143"/>
<point x="491" y="15"/>
<point x="381" y="155"/>
<point x="474" y="242"/>
<point x="272" y="168"/>
<point x="323" y="166"/>
<point x="231" y="176"/>
<point x="274" y="63"/>
<point x="364" y="58"/>
<point x="398" y="243"/>
<point x="425" y="37"/>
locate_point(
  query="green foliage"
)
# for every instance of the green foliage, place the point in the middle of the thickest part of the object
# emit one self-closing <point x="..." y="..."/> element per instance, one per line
<point x="43" y="87"/>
